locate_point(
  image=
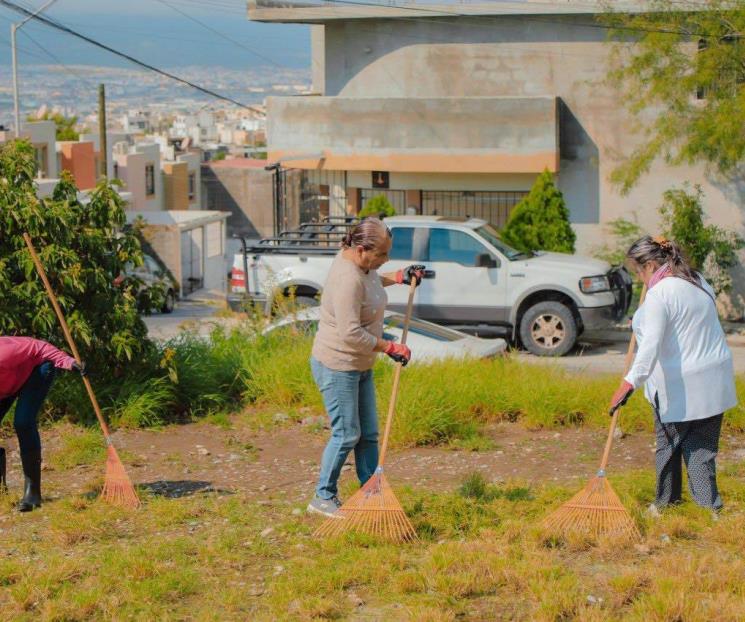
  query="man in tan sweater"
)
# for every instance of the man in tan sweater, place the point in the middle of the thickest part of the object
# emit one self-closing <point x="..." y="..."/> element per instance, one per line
<point x="347" y="342"/>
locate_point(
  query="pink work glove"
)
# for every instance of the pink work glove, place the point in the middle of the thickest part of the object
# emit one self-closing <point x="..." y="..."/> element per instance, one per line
<point x="398" y="352"/>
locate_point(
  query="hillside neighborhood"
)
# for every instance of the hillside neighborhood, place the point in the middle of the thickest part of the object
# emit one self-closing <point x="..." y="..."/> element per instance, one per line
<point x="504" y="239"/>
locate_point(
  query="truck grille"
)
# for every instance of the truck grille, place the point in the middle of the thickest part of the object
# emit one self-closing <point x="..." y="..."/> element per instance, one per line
<point x="621" y="286"/>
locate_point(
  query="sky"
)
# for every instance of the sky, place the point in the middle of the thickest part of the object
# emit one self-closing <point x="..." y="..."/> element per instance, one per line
<point x="154" y="31"/>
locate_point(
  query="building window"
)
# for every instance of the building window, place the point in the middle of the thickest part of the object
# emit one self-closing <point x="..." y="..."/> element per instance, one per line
<point x="449" y="245"/>
<point x="149" y="179"/>
<point x="192" y="186"/>
<point x="40" y="154"/>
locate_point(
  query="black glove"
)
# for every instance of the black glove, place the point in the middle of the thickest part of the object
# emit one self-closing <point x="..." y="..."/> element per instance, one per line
<point x="414" y="271"/>
<point x="80" y="367"/>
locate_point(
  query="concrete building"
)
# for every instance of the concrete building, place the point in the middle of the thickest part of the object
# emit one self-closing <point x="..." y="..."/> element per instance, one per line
<point x="112" y="138"/>
<point x="242" y="187"/>
<point x="138" y="166"/>
<point x="190" y="243"/>
<point x="181" y="182"/>
<point x="80" y="159"/>
<point x="135" y="122"/>
<point x="455" y="108"/>
<point x="42" y="136"/>
<point x="199" y="128"/>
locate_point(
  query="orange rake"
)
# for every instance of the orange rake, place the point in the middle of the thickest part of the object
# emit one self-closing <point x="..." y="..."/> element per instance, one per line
<point x="374" y="509"/>
<point x="596" y="510"/>
<point x="117" y="487"/>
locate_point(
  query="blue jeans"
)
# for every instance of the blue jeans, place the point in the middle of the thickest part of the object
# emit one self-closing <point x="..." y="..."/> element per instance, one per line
<point x="30" y="398"/>
<point x="349" y="397"/>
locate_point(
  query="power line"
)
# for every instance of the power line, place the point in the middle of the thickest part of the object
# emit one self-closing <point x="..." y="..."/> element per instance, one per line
<point x="59" y="63"/>
<point x="61" y="27"/>
<point x="221" y="35"/>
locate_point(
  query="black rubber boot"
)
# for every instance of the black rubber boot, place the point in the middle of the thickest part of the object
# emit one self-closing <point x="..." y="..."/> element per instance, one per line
<point x="3" y="481"/>
<point x="31" y="461"/>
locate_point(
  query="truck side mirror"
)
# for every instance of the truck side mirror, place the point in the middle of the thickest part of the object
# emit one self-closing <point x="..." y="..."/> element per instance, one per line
<point x="485" y="260"/>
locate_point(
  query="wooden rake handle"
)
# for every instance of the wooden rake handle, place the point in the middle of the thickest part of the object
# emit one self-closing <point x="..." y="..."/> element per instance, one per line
<point x="68" y="336"/>
<point x="627" y="366"/>
<point x="396" y="377"/>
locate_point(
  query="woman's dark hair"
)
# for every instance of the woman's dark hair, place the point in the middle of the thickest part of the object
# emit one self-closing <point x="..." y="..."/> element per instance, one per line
<point x="368" y="234"/>
<point x="661" y="251"/>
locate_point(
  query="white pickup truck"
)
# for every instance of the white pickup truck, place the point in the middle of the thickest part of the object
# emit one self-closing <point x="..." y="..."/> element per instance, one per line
<point x="543" y="301"/>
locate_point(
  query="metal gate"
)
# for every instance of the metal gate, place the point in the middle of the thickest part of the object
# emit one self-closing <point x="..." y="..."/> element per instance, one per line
<point x="307" y="196"/>
<point x="192" y="260"/>
<point x="396" y="197"/>
<point x="494" y="207"/>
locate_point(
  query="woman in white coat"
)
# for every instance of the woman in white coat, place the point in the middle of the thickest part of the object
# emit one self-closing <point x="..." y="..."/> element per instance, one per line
<point x="686" y="368"/>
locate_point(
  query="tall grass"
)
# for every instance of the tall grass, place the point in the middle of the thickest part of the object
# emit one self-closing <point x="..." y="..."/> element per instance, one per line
<point x="440" y="402"/>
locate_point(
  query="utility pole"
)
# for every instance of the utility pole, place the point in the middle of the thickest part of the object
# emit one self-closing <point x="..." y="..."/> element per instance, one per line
<point x="14" y="55"/>
<point x="102" y="146"/>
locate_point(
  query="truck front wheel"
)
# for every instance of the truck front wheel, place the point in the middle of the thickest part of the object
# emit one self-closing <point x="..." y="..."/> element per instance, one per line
<point x="548" y="329"/>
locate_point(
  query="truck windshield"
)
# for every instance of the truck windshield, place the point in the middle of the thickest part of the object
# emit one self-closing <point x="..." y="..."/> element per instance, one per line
<point x="490" y="234"/>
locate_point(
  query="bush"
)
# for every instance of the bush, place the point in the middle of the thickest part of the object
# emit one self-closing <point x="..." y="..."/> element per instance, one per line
<point x="378" y="206"/>
<point x="710" y="249"/>
<point x="541" y="220"/>
<point x="83" y="249"/>
<point x="624" y="233"/>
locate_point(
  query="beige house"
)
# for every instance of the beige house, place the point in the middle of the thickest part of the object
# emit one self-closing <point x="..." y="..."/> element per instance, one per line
<point x="455" y="108"/>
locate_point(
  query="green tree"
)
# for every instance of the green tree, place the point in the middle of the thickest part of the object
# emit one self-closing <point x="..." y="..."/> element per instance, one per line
<point x="65" y="125"/>
<point x="541" y="220"/>
<point x="689" y="67"/>
<point x="378" y="206"/>
<point x="710" y="249"/>
<point x="83" y="248"/>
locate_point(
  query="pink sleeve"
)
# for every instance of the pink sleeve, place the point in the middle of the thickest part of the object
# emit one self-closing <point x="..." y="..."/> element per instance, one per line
<point x="44" y="351"/>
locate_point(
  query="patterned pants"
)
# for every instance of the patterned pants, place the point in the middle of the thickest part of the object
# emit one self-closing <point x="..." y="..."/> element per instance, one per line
<point x="696" y="443"/>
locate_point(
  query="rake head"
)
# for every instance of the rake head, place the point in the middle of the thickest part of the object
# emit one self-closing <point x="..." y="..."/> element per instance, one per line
<point x="117" y="487"/>
<point x="372" y="510"/>
<point x="595" y="511"/>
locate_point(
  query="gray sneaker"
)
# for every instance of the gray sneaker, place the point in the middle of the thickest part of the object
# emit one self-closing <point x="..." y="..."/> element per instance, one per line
<point x="325" y="507"/>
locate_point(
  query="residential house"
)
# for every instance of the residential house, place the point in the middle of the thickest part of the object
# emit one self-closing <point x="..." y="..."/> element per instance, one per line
<point x="242" y="187"/>
<point x="80" y="159"/>
<point x="190" y="243"/>
<point x="456" y="108"/>
<point x="138" y="166"/>
<point x="135" y="122"/>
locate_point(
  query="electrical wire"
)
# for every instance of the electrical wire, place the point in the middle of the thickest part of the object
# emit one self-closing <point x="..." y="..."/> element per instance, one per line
<point x="62" y="28"/>
<point x="220" y="34"/>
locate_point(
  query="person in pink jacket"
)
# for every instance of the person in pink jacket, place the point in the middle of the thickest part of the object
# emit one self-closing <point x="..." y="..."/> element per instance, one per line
<point x="27" y="368"/>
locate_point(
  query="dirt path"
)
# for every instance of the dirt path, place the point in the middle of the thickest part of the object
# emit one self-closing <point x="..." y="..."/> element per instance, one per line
<point x="283" y="463"/>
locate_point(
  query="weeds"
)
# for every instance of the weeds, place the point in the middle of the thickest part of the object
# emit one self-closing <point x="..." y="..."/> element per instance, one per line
<point x="209" y="557"/>
<point x="445" y="402"/>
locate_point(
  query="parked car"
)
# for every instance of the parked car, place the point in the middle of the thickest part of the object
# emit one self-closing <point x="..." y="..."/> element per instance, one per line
<point x="150" y="275"/>
<point x="428" y="341"/>
<point x="542" y="300"/>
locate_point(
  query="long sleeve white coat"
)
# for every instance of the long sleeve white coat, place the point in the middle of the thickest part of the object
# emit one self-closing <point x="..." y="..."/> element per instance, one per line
<point x="682" y="356"/>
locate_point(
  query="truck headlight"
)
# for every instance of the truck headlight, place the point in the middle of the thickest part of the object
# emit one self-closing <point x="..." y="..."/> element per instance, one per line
<point x="594" y="284"/>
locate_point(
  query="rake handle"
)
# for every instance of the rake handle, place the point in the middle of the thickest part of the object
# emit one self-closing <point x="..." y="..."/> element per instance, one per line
<point x="68" y="336"/>
<point x="627" y="366"/>
<point x="397" y="377"/>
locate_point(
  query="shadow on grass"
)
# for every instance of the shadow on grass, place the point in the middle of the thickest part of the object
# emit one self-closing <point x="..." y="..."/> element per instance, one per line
<point x="175" y="489"/>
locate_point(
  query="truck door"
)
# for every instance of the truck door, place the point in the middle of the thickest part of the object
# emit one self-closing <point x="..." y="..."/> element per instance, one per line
<point x="470" y="286"/>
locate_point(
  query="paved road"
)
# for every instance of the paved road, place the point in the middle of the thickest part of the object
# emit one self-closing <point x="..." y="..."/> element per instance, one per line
<point x="608" y="357"/>
<point x="186" y="315"/>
